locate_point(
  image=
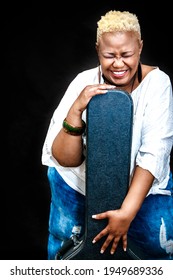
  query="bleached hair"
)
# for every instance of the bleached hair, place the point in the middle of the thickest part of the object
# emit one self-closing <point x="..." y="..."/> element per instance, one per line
<point x="114" y="21"/>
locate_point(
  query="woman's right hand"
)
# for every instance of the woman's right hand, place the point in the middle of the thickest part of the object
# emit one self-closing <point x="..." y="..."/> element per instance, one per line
<point x="85" y="96"/>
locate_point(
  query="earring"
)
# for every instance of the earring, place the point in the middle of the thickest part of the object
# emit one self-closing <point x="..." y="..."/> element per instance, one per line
<point x="139" y="72"/>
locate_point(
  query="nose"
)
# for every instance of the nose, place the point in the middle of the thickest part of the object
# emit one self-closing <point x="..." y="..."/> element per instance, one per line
<point x="118" y="61"/>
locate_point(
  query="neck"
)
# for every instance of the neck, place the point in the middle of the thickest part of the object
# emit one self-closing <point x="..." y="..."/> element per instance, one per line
<point x="130" y="87"/>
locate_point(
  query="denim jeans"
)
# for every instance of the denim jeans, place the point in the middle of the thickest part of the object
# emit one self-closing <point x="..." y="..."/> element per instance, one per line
<point x="67" y="212"/>
<point x="151" y="230"/>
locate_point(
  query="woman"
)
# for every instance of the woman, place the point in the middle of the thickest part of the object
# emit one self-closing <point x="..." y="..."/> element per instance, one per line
<point x="146" y="214"/>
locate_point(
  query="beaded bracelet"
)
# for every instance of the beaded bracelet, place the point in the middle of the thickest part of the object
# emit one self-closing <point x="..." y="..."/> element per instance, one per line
<point x="73" y="130"/>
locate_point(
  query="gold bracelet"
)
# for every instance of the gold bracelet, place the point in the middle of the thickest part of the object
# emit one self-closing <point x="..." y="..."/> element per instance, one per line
<point x="73" y="130"/>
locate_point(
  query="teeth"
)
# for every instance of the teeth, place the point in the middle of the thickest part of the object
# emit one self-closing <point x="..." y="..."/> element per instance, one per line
<point x="119" y="72"/>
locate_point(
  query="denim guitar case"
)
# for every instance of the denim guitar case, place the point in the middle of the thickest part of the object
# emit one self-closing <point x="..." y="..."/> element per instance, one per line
<point x="108" y="151"/>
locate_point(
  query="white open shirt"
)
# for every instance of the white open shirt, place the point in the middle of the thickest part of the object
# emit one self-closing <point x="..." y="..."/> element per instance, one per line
<point x="152" y="137"/>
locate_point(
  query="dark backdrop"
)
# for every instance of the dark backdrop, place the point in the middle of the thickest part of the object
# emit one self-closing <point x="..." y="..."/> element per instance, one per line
<point x="46" y="45"/>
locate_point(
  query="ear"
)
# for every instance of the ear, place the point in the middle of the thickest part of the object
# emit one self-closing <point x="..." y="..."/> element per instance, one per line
<point x="96" y="47"/>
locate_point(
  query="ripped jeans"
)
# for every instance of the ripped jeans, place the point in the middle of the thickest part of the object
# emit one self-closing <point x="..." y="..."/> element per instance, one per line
<point x="67" y="212"/>
<point x="151" y="230"/>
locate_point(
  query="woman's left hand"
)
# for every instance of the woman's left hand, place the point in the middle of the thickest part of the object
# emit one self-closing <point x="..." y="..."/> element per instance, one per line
<point x="116" y="229"/>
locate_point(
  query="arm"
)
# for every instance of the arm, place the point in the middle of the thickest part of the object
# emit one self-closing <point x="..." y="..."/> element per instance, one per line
<point x="119" y="220"/>
<point x="155" y="128"/>
<point x="68" y="149"/>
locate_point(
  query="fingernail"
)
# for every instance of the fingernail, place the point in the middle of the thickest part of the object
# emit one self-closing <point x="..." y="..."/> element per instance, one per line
<point x="93" y="216"/>
<point x="124" y="249"/>
<point x="102" y="251"/>
<point x="93" y="241"/>
<point x="112" y="252"/>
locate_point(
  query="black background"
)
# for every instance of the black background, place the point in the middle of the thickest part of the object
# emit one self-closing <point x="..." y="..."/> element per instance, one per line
<point x="45" y="45"/>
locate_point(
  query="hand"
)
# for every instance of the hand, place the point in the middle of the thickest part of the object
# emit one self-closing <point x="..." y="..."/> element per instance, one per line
<point x="115" y="230"/>
<point x="87" y="93"/>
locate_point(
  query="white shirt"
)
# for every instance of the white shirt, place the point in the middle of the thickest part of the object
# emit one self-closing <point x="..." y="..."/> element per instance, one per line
<point x="152" y="137"/>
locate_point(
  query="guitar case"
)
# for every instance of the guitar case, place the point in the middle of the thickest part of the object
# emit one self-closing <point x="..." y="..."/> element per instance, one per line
<point x="108" y="152"/>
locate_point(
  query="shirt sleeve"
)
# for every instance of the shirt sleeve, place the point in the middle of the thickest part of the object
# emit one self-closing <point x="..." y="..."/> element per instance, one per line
<point x="157" y="129"/>
<point x="57" y="119"/>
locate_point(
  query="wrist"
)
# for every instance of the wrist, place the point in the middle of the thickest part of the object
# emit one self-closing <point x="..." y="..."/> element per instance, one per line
<point x="72" y="129"/>
<point x="129" y="211"/>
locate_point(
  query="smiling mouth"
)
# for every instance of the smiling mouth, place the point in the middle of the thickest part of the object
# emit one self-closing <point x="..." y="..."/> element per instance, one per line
<point x="119" y="73"/>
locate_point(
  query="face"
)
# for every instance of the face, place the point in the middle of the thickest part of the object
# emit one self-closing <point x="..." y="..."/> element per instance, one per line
<point x="119" y="55"/>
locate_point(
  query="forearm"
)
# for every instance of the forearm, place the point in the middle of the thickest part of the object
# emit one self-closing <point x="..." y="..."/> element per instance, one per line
<point x="139" y="187"/>
<point x="67" y="149"/>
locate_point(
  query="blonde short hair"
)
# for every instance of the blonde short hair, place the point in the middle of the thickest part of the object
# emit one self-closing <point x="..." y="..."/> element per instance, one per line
<point x="114" y="21"/>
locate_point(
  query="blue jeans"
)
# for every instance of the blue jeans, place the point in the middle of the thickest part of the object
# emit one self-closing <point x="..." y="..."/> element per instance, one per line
<point x="67" y="212"/>
<point x="151" y="230"/>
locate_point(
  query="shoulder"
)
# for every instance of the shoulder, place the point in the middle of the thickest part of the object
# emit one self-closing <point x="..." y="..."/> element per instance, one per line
<point x="154" y="72"/>
<point x="81" y="80"/>
<point x="154" y="82"/>
<point x="146" y="69"/>
<point x="89" y="72"/>
<point x="85" y="77"/>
